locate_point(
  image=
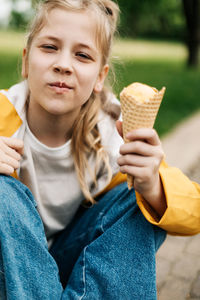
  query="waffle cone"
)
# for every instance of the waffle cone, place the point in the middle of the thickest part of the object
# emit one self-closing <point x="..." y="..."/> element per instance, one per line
<point x="136" y="114"/>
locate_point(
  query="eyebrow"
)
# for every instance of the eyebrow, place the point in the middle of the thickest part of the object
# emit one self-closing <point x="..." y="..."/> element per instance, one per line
<point x="86" y="46"/>
<point x="53" y="38"/>
<point x="49" y="37"/>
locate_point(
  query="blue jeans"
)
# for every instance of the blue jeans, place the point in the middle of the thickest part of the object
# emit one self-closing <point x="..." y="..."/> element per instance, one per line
<point x="107" y="252"/>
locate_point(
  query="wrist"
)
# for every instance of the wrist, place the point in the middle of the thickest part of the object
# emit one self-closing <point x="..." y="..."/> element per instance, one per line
<point x="155" y="197"/>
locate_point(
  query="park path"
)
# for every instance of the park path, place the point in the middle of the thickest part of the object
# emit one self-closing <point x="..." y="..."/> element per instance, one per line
<point x="178" y="259"/>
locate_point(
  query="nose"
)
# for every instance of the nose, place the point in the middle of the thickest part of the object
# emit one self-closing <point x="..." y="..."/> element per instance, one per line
<point x="63" y="65"/>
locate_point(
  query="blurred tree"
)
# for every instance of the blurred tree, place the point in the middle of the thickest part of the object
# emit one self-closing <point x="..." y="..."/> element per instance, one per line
<point x="18" y="17"/>
<point x="34" y="2"/>
<point x="18" y="20"/>
<point x="192" y="14"/>
<point x="152" y="18"/>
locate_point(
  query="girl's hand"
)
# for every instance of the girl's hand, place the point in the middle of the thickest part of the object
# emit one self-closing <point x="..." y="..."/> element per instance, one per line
<point x="141" y="158"/>
<point x="11" y="150"/>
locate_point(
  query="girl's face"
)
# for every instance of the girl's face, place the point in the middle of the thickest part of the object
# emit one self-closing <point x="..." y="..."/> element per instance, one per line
<point x="63" y="66"/>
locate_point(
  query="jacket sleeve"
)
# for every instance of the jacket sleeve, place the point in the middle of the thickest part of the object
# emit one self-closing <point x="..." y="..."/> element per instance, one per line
<point x="182" y="216"/>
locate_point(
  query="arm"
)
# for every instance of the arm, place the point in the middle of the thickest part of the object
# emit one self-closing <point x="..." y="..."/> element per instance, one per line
<point x="179" y="195"/>
<point x="11" y="150"/>
<point x="141" y="158"/>
<point x="182" y="216"/>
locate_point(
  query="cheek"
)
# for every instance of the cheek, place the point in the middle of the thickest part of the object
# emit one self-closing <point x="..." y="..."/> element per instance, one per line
<point x="89" y="85"/>
<point x="88" y="77"/>
<point x="86" y="87"/>
<point x="36" y="74"/>
<point x="37" y="61"/>
<point x="36" y="67"/>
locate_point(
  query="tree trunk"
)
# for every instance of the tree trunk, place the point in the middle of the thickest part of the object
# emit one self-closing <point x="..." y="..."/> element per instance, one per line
<point x="192" y="14"/>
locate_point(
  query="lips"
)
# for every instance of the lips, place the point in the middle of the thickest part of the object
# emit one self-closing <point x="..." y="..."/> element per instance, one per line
<point x="61" y="85"/>
<point x="60" y="88"/>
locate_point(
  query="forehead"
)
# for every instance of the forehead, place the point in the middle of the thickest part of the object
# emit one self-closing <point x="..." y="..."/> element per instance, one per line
<point x="71" y="25"/>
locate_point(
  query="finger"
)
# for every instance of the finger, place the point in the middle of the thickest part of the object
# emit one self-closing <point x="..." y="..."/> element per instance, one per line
<point x="140" y="148"/>
<point x="6" y="169"/>
<point x="149" y="164"/>
<point x="134" y="160"/>
<point x="8" y="160"/>
<point x="136" y="172"/>
<point x="147" y="134"/>
<point x="10" y="151"/>
<point x="142" y="176"/>
<point x="14" y="143"/>
<point x="119" y="128"/>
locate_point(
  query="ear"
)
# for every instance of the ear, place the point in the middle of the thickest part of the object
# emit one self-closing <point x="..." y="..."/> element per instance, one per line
<point x="101" y="78"/>
<point x="24" y="64"/>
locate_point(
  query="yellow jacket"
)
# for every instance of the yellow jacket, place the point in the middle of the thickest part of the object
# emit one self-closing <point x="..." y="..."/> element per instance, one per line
<point x="182" y="216"/>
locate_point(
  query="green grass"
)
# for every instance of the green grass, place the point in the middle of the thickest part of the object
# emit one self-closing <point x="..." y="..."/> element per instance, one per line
<point x="155" y="63"/>
<point x="9" y="69"/>
<point x="11" y="42"/>
<point x="11" y="45"/>
<point x="127" y="49"/>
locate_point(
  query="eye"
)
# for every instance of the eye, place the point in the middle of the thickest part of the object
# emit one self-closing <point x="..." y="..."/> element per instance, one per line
<point x="83" y="56"/>
<point x="49" y="47"/>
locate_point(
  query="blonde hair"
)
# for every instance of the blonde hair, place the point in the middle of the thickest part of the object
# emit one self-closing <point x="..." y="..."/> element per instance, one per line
<point x="86" y="138"/>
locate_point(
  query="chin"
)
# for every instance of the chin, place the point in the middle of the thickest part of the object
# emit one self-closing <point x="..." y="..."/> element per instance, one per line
<point x="57" y="110"/>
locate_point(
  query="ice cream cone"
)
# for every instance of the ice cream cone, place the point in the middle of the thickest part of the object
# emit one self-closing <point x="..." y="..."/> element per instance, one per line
<point x="139" y="105"/>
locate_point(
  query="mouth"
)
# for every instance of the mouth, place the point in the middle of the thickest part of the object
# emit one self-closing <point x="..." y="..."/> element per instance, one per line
<point x="60" y="87"/>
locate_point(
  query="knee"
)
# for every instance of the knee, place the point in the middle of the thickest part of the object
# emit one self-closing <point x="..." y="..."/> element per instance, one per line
<point x="117" y="204"/>
<point x="121" y="200"/>
<point x="13" y="195"/>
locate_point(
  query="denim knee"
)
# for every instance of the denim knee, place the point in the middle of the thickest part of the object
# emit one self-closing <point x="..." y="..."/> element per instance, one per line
<point x="14" y="196"/>
<point x="115" y="204"/>
<point x="10" y="185"/>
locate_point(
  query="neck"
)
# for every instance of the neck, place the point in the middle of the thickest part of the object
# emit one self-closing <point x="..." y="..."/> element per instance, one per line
<point x="51" y="130"/>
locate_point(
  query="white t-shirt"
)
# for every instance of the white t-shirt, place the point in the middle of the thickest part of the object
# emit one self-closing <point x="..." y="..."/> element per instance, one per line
<point x="50" y="175"/>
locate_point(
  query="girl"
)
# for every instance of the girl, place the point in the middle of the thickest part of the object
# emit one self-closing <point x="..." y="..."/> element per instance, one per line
<point x="58" y="131"/>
